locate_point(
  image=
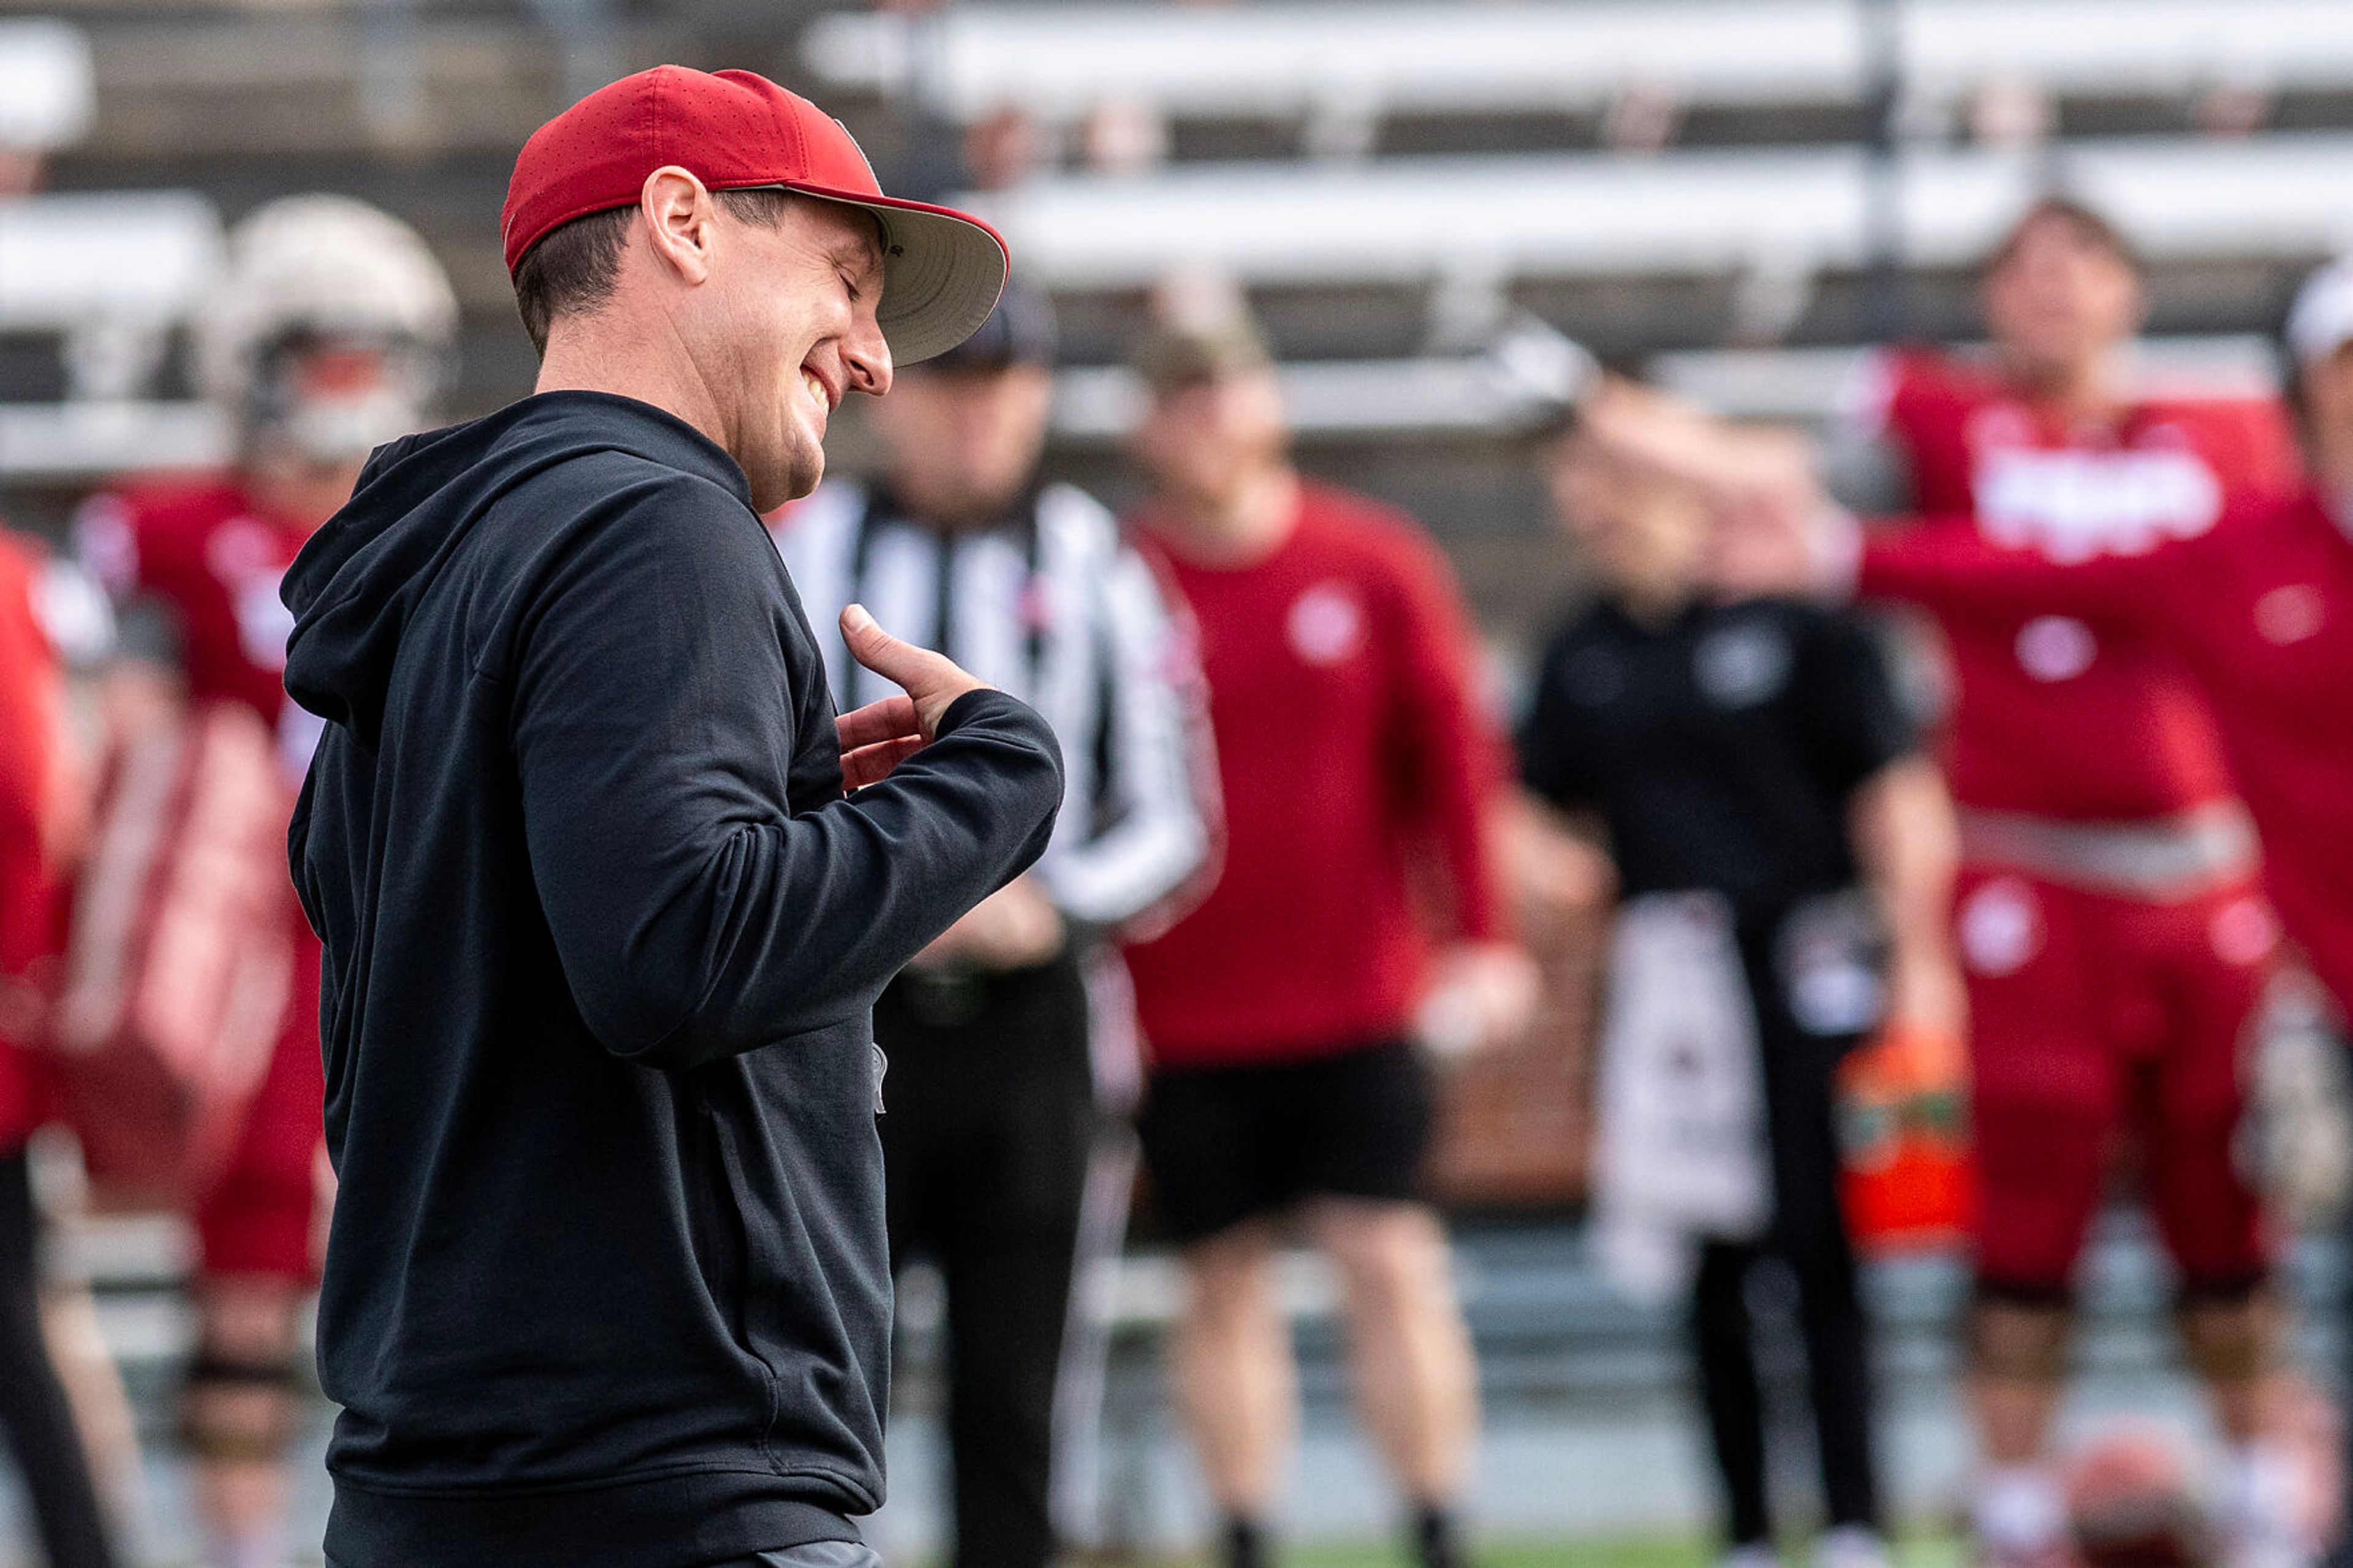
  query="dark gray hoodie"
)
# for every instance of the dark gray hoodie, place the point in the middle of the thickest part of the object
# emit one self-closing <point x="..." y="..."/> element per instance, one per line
<point x="608" y="1282"/>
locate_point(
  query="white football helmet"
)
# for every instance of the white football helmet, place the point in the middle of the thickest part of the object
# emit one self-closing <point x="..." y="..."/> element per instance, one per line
<point x="313" y="273"/>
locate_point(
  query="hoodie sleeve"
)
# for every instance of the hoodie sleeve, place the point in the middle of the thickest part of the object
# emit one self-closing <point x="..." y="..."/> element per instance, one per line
<point x="697" y="917"/>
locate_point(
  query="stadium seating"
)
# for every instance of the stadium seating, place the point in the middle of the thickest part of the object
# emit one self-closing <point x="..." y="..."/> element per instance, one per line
<point x="1711" y="211"/>
<point x="108" y="276"/>
<point x="1488" y="168"/>
<point x="1380" y="400"/>
<point x="1061" y="61"/>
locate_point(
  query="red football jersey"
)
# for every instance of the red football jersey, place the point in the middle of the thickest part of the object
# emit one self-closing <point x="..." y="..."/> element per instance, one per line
<point x="208" y="553"/>
<point x="2052" y="717"/>
<point x="2260" y="610"/>
<point x="1352" y="755"/>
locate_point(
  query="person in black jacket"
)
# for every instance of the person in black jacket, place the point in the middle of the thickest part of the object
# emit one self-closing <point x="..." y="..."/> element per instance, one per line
<point x="606" y="889"/>
<point x="1772" y="821"/>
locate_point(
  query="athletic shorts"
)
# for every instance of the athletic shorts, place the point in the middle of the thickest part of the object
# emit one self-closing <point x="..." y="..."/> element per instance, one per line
<point x="2095" y="1019"/>
<point x="261" y="1216"/>
<point x="1229" y="1143"/>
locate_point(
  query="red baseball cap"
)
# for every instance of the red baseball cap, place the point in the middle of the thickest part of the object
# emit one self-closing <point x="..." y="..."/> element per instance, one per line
<point x="942" y="270"/>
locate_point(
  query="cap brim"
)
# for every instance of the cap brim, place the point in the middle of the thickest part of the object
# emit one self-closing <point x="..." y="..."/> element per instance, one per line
<point x="942" y="273"/>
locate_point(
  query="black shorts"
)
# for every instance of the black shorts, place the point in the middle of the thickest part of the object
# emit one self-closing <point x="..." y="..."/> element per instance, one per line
<point x="1229" y="1143"/>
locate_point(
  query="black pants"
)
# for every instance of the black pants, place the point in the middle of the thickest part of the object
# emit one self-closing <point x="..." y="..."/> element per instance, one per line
<point x="989" y="1112"/>
<point x="33" y="1409"/>
<point x="1809" y="1236"/>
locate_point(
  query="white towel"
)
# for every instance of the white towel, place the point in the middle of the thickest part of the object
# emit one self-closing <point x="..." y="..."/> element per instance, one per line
<point x="1680" y="1153"/>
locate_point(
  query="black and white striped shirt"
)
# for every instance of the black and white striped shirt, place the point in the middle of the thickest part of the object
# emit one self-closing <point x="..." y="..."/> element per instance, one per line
<point x="1054" y="607"/>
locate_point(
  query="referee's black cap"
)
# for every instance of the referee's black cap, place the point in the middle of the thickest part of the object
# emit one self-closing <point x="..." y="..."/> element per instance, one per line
<point x="1020" y="330"/>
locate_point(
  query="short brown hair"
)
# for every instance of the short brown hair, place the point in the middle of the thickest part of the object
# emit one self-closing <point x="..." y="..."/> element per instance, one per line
<point x="2087" y="223"/>
<point x="570" y="270"/>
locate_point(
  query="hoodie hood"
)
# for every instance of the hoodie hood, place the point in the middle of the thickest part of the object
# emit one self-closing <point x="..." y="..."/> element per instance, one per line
<point x="357" y="585"/>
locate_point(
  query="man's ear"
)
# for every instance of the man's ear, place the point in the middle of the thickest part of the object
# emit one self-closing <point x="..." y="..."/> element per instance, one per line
<point x="681" y="222"/>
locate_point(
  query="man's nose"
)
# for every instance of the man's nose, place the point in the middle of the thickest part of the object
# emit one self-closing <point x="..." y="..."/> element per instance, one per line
<point x="867" y="356"/>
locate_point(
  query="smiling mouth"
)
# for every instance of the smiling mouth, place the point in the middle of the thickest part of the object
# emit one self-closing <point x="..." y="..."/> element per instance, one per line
<point x="814" y="386"/>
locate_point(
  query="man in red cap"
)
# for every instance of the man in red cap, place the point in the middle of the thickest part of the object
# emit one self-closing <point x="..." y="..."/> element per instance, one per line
<point x="607" y="891"/>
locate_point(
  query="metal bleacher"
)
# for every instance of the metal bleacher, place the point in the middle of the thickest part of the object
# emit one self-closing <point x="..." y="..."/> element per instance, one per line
<point x="112" y="326"/>
<point x="1345" y="94"/>
<point x="1685" y="183"/>
<point x="1706" y="213"/>
<point x="1680" y="177"/>
<point x="1060" y="61"/>
<point x="199" y="111"/>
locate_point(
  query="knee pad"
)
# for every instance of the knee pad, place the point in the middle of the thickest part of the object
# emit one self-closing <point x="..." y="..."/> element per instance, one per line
<point x="2019" y="1335"/>
<point x="2231" y="1330"/>
<point x="234" y="1409"/>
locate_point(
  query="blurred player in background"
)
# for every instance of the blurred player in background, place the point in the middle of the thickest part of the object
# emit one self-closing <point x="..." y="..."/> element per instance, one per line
<point x="2258" y="605"/>
<point x="992" y="1096"/>
<point x="327" y="336"/>
<point x="1354" y="759"/>
<point x="2109" y="918"/>
<point x="39" y="808"/>
<point x="2110" y="923"/>
<point x="1750" y="767"/>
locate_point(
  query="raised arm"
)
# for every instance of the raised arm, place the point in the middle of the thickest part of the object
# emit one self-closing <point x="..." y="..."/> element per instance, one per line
<point x="1946" y="567"/>
<point x="1779" y="534"/>
<point x="697" y="917"/>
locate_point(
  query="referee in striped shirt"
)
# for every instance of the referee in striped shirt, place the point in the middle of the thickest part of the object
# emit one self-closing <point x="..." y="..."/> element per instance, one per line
<point x="992" y="1089"/>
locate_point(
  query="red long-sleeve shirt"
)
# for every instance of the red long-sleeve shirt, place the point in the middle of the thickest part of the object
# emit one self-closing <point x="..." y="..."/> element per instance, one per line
<point x="2259" y="609"/>
<point x="1354" y="758"/>
<point x="2052" y="718"/>
<point x="30" y="717"/>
